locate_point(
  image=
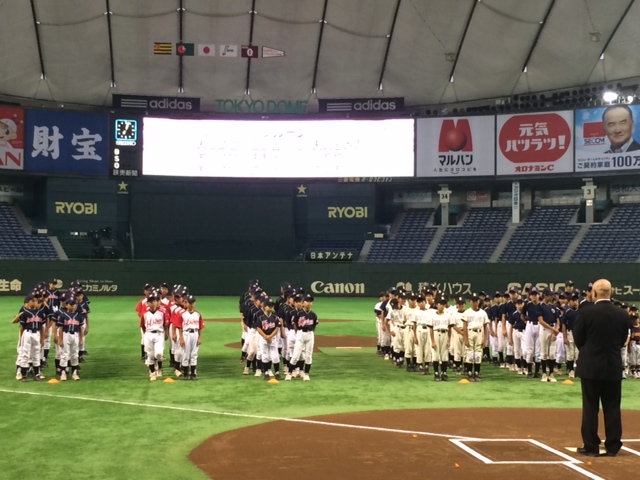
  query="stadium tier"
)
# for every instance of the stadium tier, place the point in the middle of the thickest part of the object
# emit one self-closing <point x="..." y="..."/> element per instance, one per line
<point x="614" y="241"/>
<point x="16" y="243"/>
<point x="410" y="241"/>
<point x="544" y="236"/>
<point x="476" y="239"/>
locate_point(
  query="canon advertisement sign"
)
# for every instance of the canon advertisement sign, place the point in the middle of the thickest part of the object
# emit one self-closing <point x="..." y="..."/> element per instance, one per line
<point x="361" y="105"/>
<point x="145" y="102"/>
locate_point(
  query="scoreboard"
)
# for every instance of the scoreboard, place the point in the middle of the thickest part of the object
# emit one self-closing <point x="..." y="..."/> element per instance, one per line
<point x="126" y="146"/>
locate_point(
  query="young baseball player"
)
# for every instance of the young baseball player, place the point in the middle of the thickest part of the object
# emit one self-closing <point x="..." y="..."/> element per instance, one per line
<point x="69" y="323"/>
<point x="421" y="335"/>
<point x="440" y="324"/>
<point x="476" y="336"/>
<point x="549" y="319"/>
<point x="191" y="338"/>
<point x="174" y="319"/>
<point x="307" y="322"/>
<point x="410" y="341"/>
<point x="517" y="327"/>
<point x="568" y="323"/>
<point x="268" y="331"/>
<point x="532" y="333"/>
<point x="83" y="306"/>
<point x="634" y="351"/>
<point x="152" y="324"/>
<point x="395" y="320"/>
<point x="31" y="320"/>
<point x="141" y="307"/>
<point x="457" y="334"/>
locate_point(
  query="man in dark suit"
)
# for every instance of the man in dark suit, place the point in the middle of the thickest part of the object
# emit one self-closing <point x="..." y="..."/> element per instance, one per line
<point x="600" y="332"/>
<point x="618" y="126"/>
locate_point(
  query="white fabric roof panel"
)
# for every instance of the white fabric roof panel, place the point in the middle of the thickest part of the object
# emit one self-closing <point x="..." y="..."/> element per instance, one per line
<point x="74" y="43"/>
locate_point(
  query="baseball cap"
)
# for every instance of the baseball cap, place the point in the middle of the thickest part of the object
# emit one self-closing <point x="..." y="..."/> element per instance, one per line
<point x="393" y="291"/>
<point x="575" y="296"/>
<point x="442" y="300"/>
<point x="411" y="296"/>
<point x="393" y="302"/>
<point x="148" y="286"/>
<point x="519" y="300"/>
<point x="569" y="283"/>
<point x="547" y="291"/>
<point x="561" y="295"/>
<point x="164" y="285"/>
<point x="513" y="290"/>
<point x="382" y="294"/>
<point x="54" y="281"/>
<point x="497" y="294"/>
<point x="30" y="296"/>
<point x="474" y="297"/>
<point x="297" y="298"/>
<point x="460" y="300"/>
<point x="286" y="285"/>
<point x="482" y="294"/>
<point x="420" y="298"/>
<point x="190" y="299"/>
<point x="633" y="308"/>
<point x="308" y="297"/>
<point x="9" y="123"/>
<point x="70" y="301"/>
<point x="589" y="287"/>
<point x="533" y="291"/>
<point x="267" y="302"/>
<point x="154" y="296"/>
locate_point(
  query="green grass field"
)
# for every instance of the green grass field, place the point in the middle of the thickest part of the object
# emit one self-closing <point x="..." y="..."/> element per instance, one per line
<point x="114" y="423"/>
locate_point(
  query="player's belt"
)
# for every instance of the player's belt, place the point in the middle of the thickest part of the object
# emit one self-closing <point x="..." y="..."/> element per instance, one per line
<point x="191" y="330"/>
<point x="33" y="331"/>
<point x="424" y="327"/>
<point x="520" y="329"/>
<point x="155" y="331"/>
<point x="477" y="330"/>
<point x="442" y="330"/>
<point x="307" y="330"/>
<point x="401" y="326"/>
<point x="67" y="331"/>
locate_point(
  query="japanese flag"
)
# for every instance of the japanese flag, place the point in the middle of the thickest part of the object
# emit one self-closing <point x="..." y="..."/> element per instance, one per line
<point x="206" y="50"/>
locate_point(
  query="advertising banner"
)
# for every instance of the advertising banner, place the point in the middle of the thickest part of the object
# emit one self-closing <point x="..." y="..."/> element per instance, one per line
<point x="455" y="147"/>
<point x="67" y="142"/>
<point x="361" y="105"/>
<point x="607" y="139"/>
<point x="11" y="138"/>
<point x="535" y="143"/>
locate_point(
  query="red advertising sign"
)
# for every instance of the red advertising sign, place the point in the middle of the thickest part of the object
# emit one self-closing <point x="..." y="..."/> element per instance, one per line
<point x="535" y="143"/>
<point x="455" y="136"/>
<point x="11" y="138"/>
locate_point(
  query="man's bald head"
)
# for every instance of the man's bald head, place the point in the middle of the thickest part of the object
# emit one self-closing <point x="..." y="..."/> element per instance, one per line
<point x="601" y="289"/>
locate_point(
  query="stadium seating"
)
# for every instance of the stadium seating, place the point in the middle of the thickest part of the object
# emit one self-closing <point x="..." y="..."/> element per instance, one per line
<point x="615" y="241"/>
<point x="410" y="241"/>
<point x="476" y="239"/>
<point x="544" y="236"/>
<point x="16" y="243"/>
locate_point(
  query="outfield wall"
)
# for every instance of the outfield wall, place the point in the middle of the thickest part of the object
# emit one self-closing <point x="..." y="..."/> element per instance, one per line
<point x="322" y="279"/>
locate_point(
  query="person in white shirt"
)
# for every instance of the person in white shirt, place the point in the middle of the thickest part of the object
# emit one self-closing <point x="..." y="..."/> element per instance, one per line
<point x="440" y="323"/>
<point x="475" y="337"/>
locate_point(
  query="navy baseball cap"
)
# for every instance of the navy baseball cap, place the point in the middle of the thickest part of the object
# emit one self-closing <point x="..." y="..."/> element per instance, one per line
<point x="513" y="290"/>
<point x="70" y="301"/>
<point x="533" y="291"/>
<point x="190" y="299"/>
<point x="393" y="291"/>
<point x="267" y="302"/>
<point x="547" y="291"/>
<point x="569" y="283"/>
<point x="474" y="297"/>
<point x="482" y="294"/>
<point x="497" y="294"/>
<point x="297" y="298"/>
<point x="519" y="300"/>
<point x="164" y="285"/>
<point x="308" y="298"/>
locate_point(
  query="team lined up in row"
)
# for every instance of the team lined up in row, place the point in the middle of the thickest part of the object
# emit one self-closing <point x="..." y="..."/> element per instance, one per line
<point x="174" y="318"/>
<point x="48" y="314"/>
<point x="272" y="330"/>
<point x="522" y="333"/>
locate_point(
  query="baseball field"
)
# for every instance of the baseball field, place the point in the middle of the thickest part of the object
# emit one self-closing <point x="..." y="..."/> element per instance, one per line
<point x="369" y="419"/>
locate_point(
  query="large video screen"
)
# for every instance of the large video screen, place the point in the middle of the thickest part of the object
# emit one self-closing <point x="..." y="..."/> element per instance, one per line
<point x="278" y="149"/>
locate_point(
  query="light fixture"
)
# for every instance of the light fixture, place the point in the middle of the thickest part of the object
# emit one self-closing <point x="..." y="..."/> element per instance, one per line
<point x="595" y="36"/>
<point x="450" y="57"/>
<point x="609" y="96"/>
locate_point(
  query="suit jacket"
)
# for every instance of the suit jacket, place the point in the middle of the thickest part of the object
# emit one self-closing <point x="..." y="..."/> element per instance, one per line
<point x="633" y="146"/>
<point x="600" y="333"/>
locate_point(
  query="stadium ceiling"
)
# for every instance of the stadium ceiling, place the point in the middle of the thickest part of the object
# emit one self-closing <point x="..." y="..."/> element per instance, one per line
<point x="432" y="52"/>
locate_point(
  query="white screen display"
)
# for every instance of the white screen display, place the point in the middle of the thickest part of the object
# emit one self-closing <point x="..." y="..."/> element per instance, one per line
<point x="278" y="149"/>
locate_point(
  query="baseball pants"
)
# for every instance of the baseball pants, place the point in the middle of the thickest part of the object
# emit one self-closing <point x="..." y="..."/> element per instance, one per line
<point x="269" y="351"/>
<point x="561" y="353"/>
<point x="409" y="344"/>
<point x="532" y="342"/>
<point x="441" y="349"/>
<point x="546" y="340"/>
<point x="70" y="350"/>
<point x="624" y="353"/>
<point x="457" y="346"/>
<point x="303" y="348"/>
<point x="30" y="351"/>
<point x="424" y="351"/>
<point x="503" y="340"/>
<point x="386" y="337"/>
<point x="572" y="350"/>
<point x="191" y="347"/>
<point x="474" y="351"/>
<point x="291" y="343"/>
<point x="251" y="344"/>
<point x="519" y="347"/>
<point x="398" y="339"/>
<point x="379" y="330"/>
<point x="154" y="347"/>
<point x="634" y="353"/>
<point x="493" y="342"/>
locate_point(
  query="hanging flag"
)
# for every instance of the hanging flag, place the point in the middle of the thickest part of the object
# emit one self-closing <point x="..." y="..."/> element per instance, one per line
<point x="185" y="49"/>
<point x="206" y="50"/>
<point x="249" y="51"/>
<point x="228" y="50"/>
<point x="268" y="52"/>
<point x="162" y="48"/>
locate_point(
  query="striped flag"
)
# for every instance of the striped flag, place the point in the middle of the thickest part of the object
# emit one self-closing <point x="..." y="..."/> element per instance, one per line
<point x="206" y="50"/>
<point x="162" y="48"/>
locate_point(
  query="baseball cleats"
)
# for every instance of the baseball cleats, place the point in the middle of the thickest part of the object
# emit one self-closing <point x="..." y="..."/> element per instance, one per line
<point x="436" y="377"/>
<point x="159" y="373"/>
<point x="63" y="376"/>
<point x="25" y="379"/>
<point x="287" y="377"/>
<point x="572" y="374"/>
<point x="444" y="377"/>
<point x="552" y="379"/>
<point x="258" y="373"/>
<point x="544" y="378"/>
<point x="245" y="371"/>
<point x="152" y="376"/>
<point x="305" y="377"/>
<point x="277" y="376"/>
<point x="476" y="377"/>
<point x="386" y="357"/>
<point x="39" y="377"/>
<point x="19" y="375"/>
<point x="177" y="373"/>
<point x="75" y="376"/>
<point x="193" y="377"/>
<point x="296" y="373"/>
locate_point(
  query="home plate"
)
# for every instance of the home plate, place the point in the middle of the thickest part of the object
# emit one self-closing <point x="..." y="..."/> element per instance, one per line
<point x="575" y="450"/>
